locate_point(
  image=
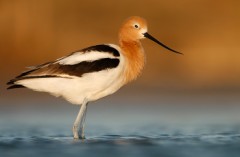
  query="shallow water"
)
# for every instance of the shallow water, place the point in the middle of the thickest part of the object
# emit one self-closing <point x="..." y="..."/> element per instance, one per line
<point x="198" y="145"/>
<point x="195" y="128"/>
<point x="130" y="140"/>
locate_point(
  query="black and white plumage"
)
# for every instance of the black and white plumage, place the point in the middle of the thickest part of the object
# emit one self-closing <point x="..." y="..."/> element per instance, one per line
<point x="74" y="76"/>
<point x="93" y="72"/>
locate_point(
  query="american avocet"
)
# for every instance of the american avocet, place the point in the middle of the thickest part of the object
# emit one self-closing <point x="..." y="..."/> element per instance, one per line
<point x="91" y="73"/>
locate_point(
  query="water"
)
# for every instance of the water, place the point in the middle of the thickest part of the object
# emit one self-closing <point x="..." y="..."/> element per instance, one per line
<point x="221" y="144"/>
<point x="171" y="129"/>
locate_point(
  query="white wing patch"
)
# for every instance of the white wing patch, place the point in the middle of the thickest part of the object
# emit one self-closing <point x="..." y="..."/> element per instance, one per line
<point x="81" y="57"/>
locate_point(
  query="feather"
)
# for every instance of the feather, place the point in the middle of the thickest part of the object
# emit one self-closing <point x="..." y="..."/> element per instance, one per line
<point x="88" y="60"/>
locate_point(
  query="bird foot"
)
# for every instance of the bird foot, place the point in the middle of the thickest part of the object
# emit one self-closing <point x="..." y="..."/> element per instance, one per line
<point x="78" y="134"/>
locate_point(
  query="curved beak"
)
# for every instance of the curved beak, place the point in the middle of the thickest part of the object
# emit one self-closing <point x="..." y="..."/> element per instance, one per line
<point x="159" y="43"/>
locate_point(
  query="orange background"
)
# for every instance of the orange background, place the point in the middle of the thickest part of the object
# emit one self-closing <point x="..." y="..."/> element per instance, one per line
<point x="207" y="32"/>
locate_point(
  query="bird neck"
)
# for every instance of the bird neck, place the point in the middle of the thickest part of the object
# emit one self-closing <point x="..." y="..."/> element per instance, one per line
<point x="135" y="58"/>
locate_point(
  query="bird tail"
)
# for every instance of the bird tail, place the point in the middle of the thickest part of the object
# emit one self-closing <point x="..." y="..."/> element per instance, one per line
<point x="12" y="84"/>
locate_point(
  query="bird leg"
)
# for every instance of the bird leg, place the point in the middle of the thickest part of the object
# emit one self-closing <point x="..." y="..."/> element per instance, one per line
<point x="78" y="126"/>
<point x="82" y="124"/>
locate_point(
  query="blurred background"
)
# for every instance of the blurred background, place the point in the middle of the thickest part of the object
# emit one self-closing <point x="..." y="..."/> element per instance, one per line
<point x="191" y="99"/>
<point x="207" y="32"/>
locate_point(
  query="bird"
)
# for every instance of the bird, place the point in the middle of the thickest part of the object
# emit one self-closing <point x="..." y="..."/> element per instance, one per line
<point x="91" y="73"/>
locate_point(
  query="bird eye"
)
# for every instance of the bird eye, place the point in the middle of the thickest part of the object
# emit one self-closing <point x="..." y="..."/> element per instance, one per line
<point x="136" y="26"/>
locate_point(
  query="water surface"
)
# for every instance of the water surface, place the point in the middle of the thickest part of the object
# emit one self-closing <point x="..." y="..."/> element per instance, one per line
<point x="175" y="128"/>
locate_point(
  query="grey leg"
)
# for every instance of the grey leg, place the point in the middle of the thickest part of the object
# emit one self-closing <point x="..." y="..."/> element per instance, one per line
<point x="82" y="124"/>
<point x="79" y="121"/>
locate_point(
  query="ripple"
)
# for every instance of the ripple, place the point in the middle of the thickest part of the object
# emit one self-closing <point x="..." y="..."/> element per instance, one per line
<point x="218" y="145"/>
<point x="128" y="139"/>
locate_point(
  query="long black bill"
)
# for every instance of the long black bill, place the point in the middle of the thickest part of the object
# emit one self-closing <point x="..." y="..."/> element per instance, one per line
<point x="158" y="42"/>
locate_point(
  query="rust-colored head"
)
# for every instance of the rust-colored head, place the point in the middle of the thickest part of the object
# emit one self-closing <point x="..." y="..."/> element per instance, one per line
<point x="134" y="29"/>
